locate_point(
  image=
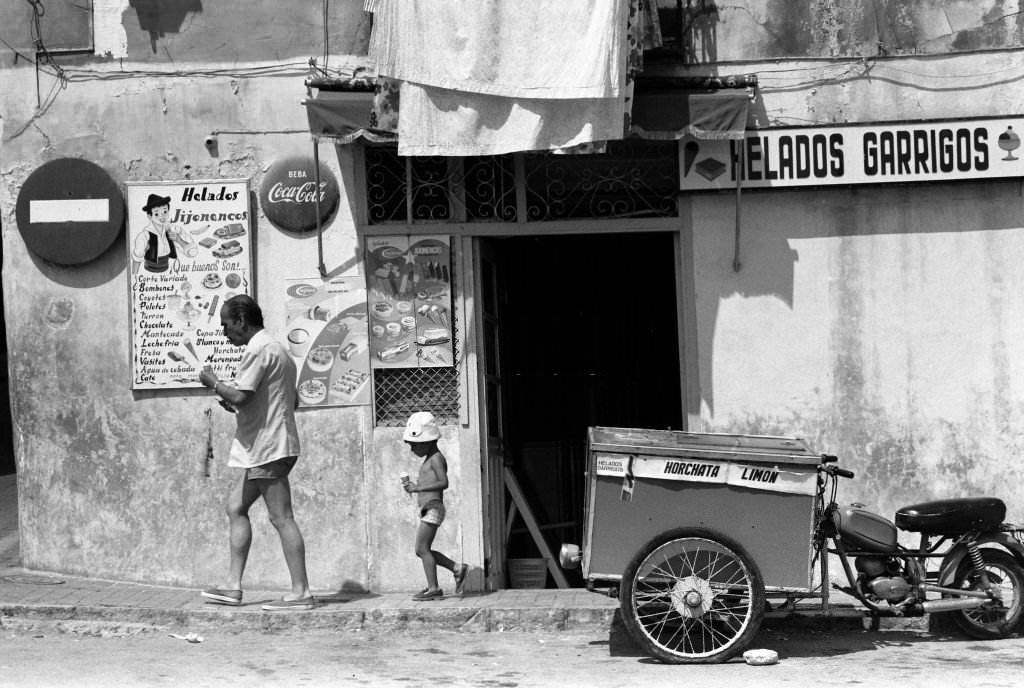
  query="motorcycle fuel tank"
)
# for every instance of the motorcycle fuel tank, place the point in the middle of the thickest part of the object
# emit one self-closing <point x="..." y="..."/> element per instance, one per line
<point x="862" y="530"/>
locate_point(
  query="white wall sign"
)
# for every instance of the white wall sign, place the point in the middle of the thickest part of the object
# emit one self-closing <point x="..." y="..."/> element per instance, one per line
<point x="189" y="250"/>
<point x="861" y="154"/>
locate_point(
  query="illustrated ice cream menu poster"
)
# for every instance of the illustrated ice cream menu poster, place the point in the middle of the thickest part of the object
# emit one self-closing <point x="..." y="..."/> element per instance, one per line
<point x="189" y="250"/>
<point x="409" y="290"/>
<point x="326" y="334"/>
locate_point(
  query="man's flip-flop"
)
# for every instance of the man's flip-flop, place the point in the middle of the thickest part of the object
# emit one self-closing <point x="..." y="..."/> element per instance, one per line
<point x="300" y="604"/>
<point x="232" y="598"/>
<point x="428" y="595"/>
<point x="460" y="577"/>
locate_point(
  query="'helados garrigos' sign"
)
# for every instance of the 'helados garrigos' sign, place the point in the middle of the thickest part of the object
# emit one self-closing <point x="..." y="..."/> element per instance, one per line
<point x="288" y="194"/>
<point x="881" y="153"/>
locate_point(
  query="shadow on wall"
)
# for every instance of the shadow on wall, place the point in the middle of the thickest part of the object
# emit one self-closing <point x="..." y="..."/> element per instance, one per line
<point x="897" y="461"/>
<point x="768" y="260"/>
<point x="160" y="17"/>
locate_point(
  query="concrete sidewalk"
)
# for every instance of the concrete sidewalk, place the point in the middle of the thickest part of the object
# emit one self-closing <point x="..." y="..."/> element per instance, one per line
<point x="31" y="599"/>
<point x="37" y="597"/>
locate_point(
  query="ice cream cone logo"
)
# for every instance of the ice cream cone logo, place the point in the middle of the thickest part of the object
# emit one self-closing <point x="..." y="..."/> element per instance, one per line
<point x="690" y="151"/>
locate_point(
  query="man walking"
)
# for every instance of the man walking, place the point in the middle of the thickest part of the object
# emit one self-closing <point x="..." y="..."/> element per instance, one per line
<point x="266" y="447"/>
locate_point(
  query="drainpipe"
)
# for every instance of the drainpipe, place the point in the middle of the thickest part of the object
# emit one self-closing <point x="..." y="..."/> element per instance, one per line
<point x="316" y="200"/>
<point x="736" y="264"/>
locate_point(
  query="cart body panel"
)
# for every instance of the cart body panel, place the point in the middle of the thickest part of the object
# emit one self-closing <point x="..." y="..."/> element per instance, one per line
<point x="759" y="491"/>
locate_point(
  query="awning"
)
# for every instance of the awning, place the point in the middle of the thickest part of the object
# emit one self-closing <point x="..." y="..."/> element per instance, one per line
<point x="344" y="117"/>
<point x="672" y="114"/>
<point x="663" y="109"/>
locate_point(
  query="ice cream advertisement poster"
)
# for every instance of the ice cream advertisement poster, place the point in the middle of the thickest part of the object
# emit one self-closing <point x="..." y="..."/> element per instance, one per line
<point x="409" y="286"/>
<point x="189" y="250"/>
<point x="326" y="335"/>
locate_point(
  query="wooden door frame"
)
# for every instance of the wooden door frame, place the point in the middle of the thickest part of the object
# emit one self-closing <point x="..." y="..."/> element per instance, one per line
<point x="474" y="443"/>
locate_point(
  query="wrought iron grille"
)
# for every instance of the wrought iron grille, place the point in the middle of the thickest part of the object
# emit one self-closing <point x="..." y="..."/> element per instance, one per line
<point x="490" y="189"/>
<point x="633" y="178"/>
<point x="400" y="392"/>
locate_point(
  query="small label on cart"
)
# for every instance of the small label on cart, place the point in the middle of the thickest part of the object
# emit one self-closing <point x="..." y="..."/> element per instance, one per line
<point x="690" y="470"/>
<point x="773" y="479"/>
<point x="611" y="465"/>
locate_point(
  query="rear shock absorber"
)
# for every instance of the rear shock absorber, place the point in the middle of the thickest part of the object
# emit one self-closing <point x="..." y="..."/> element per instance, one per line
<point x="978" y="562"/>
<point x="976" y="559"/>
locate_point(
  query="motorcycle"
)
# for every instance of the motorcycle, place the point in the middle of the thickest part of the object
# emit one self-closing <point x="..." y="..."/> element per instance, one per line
<point x="979" y="580"/>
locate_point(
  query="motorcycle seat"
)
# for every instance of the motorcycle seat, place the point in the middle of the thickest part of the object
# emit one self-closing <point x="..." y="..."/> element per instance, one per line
<point x="952" y="516"/>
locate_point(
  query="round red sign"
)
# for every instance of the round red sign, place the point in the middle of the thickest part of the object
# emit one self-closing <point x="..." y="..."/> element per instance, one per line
<point x="70" y="211"/>
<point x="288" y="194"/>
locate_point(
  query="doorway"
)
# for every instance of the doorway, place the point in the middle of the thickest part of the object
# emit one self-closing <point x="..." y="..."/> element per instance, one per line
<point x="588" y="335"/>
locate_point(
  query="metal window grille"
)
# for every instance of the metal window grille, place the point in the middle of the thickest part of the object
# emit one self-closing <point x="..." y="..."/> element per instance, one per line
<point x="633" y="178"/>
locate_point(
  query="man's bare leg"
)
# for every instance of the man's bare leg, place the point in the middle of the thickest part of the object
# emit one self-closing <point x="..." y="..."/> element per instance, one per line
<point x="240" y="499"/>
<point x="277" y="495"/>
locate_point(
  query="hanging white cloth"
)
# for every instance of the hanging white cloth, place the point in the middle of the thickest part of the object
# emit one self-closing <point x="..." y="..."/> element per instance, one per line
<point x="437" y="121"/>
<point x="554" y="49"/>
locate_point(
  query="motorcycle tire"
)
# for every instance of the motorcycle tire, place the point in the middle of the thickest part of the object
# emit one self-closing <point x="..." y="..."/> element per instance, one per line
<point x="692" y="596"/>
<point x="986" y="623"/>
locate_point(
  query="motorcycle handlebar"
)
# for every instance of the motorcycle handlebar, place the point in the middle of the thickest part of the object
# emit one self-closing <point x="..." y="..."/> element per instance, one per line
<point x="840" y="472"/>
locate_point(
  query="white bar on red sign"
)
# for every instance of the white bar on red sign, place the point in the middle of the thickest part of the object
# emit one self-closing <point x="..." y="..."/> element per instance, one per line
<point x="69" y="210"/>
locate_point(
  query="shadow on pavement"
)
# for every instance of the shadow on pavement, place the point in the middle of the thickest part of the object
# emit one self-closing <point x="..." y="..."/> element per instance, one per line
<point x="797" y="637"/>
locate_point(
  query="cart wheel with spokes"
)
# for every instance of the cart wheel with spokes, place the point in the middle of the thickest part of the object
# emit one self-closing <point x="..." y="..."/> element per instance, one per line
<point x="692" y="596"/>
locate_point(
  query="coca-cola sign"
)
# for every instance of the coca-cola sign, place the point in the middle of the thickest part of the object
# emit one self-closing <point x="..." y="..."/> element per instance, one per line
<point x="288" y="194"/>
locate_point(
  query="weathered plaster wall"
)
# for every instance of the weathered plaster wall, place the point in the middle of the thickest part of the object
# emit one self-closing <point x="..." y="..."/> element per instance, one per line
<point x="882" y="323"/>
<point x="110" y="482"/>
<point x="741" y="30"/>
<point x="191" y="31"/>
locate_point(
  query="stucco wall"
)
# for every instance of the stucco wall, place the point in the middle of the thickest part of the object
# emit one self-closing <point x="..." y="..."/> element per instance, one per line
<point x="882" y="324"/>
<point x="110" y="482"/>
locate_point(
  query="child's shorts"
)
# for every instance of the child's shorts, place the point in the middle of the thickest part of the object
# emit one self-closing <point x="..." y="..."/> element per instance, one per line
<point x="432" y="512"/>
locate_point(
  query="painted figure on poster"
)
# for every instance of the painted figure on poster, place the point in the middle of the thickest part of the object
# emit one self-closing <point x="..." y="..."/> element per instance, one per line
<point x="158" y="244"/>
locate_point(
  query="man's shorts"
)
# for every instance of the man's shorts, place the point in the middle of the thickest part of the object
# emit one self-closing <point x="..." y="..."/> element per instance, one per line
<point x="432" y="512"/>
<point x="274" y="470"/>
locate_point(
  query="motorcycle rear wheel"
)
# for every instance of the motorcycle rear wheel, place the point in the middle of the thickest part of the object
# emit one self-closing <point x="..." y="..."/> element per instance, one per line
<point x="995" y="620"/>
<point x="692" y="596"/>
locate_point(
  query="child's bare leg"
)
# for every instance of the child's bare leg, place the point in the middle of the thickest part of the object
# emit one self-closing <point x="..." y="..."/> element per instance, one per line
<point x="443" y="561"/>
<point x="424" y="539"/>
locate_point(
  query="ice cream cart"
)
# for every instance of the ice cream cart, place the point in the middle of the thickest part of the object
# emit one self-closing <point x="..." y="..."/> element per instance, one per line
<point x="705" y="525"/>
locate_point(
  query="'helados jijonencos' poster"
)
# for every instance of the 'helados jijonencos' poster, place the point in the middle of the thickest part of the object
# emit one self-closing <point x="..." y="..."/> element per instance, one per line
<point x="409" y="283"/>
<point x="189" y="250"/>
<point x="326" y="335"/>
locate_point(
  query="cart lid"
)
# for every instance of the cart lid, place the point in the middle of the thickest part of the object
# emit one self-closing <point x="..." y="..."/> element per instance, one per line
<point x="679" y="444"/>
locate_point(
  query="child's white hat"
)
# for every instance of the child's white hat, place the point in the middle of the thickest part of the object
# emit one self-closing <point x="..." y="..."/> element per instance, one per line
<point x="421" y="427"/>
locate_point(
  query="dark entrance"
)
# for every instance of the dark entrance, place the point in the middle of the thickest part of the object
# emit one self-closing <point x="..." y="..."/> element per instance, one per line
<point x="589" y="337"/>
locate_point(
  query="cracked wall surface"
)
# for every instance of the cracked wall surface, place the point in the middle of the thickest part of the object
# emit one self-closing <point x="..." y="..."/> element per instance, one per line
<point x="111" y="482"/>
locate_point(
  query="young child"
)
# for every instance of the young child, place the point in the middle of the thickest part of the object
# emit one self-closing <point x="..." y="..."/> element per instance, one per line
<point x="421" y="434"/>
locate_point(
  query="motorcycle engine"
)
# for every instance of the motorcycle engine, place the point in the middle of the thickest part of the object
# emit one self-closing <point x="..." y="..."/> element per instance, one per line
<point x="880" y="579"/>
